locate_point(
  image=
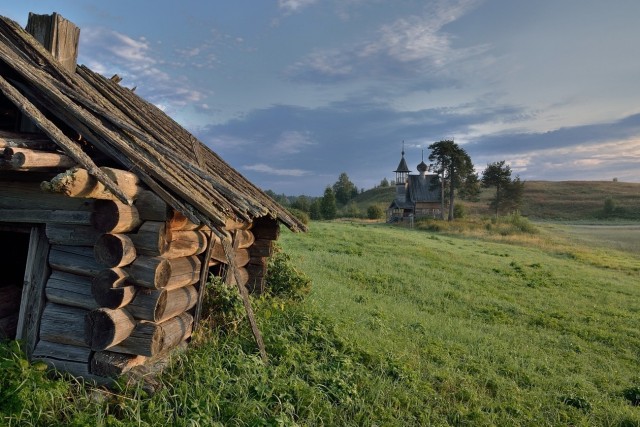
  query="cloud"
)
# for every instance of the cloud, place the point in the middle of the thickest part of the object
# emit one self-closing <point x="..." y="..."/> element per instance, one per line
<point x="411" y="45"/>
<point x="109" y="52"/>
<point x="261" y="167"/>
<point x="293" y="6"/>
<point x="292" y="142"/>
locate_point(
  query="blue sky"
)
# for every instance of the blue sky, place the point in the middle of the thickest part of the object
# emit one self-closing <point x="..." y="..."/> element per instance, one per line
<point x="293" y="92"/>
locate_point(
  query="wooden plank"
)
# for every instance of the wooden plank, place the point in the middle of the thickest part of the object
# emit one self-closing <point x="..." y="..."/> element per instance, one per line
<point x="58" y="35"/>
<point x="71" y="234"/>
<point x="74" y="259"/>
<point x="63" y="324"/>
<point x="33" y="297"/>
<point x="71" y="148"/>
<point x="70" y="289"/>
<point x="35" y="216"/>
<point x="20" y="195"/>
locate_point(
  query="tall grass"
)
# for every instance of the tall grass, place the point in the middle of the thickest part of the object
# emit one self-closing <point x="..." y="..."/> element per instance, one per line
<point x="401" y="328"/>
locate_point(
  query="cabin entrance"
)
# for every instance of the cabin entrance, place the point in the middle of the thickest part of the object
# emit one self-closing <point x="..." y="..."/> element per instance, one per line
<point x="13" y="261"/>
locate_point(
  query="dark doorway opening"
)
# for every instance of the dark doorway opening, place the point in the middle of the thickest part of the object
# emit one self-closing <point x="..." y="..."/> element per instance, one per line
<point x="13" y="262"/>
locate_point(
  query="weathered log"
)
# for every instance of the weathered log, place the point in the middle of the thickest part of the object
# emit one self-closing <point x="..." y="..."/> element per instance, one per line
<point x="152" y="238"/>
<point x="28" y="195"/>
<point x="74" y="259"/>
<point x="70" y="289"/>
<point x="71" y="234"/>
<point x="114" y="250"/>
<point x="149" y="339"/>
<point x="178" y="301"/>
<point x="151" y="207"/>
<point x="110" y="216"/>
<point x="111" y="289"/>
<point x="261" y="248"/>
<point x="177" y="221"/>
<point x="104" y="327"/>
<point x="184" y="271"/>
<point x="150" y="272"/>
<point x="186" y="243"/>
<point x="10" y="296"/>
<point x="148" y="304"/>
<point x="45" y="216"/>
<point x="110" y="364"/>
<point x="245" y="238"/>
<point x="64" y="357"/>
<point x="241" y="255"/>
<point x="26" y="140"/>
<point x="78" y="182"/>
<point x="232" y="224"/>
<point x="63" y="324"/>
<point x="27" y="159"/>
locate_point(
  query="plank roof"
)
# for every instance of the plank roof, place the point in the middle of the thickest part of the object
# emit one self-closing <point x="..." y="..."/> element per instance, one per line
<point x="128" y="130"/>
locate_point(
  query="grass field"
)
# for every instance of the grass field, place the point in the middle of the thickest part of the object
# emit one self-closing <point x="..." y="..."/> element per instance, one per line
<point x="403" y="327"/>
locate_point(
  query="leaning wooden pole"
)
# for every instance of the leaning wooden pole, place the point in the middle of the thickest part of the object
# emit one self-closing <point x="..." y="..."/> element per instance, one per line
<point x="204" y="273"/>
<point x="230" y="253"/>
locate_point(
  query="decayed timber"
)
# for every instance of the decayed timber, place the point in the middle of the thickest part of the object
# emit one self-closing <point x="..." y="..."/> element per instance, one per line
<point x="262" y="248"/>
<point x="17" y="195"/>
<point x="111" y="289"/>
<point x="110" y="216"/>
<point x="184" y="271"/>
<point x="152" y="238"/>
<point x="150" y="272"/>
<point x="186" y="243"/>
<point x="104" y="327"/>
<point x="78" y="182"/>
<point x="151" y="207"/>
<point x="64" y="357"/>
<point x="245" y="238"/>
<point x="148" y="304"/>
<point x="59" y="36"/>
<point x="26" y="140"/>
<point x="241" y="255"/>
<point x="178" y="301"/>
<point x="114" y="250"/>
<point x="150" y="339"/>
<point x="72" y="234"/>
<point x="110" y="364"/>
<point x="45" y="216"/>
<point x="70" y="289"/>
<point x="27" y="159"/>
<point x="63" y="324"/>
<point x="33" y="298"/>
<point x="74" y="259"/>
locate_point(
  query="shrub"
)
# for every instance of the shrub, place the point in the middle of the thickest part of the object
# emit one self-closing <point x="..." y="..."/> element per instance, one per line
<point x="609" y="207"/>
<point x="222" y="305"/>
<point x="283" y="279"/>
<point x="374" y="212"/>
<point x="520" y="223"/>
<point x="459" y="211"/>
<point x="300" y="215"/>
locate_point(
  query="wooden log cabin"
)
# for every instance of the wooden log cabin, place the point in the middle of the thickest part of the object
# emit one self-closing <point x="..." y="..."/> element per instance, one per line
<point x="111" y="214"/>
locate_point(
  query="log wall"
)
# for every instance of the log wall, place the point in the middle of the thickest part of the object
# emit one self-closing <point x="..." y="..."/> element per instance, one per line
<point x="123" y="280"/>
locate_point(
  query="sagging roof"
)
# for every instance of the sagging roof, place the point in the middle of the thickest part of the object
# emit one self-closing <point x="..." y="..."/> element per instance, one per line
<point x="130" y="131"/>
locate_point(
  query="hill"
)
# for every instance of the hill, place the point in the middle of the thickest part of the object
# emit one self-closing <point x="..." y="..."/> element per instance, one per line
<point x="545" y="200"/>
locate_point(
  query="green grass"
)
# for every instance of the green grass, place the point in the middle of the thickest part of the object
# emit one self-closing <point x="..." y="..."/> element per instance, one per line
<point x="402" y="327"/>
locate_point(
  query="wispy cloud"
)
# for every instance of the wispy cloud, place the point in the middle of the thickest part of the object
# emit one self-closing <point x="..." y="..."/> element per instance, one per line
<point x="407" y="46"/>
<point x="292" y="6"/>
<point x="292" y="142"/>
<point x="109" y="52"/>
<point x="261" y="167"/>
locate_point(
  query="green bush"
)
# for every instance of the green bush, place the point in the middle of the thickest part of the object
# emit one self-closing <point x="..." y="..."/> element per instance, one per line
<point x="222" y="305"/>
<point x="459" y="211"/>
<point x="375" y="212"/>
<point x="283" y="279"/>
<point x="300" y="215"/>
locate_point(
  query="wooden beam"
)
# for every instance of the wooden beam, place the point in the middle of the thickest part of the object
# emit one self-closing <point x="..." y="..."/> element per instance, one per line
<point x="48" y="127"/>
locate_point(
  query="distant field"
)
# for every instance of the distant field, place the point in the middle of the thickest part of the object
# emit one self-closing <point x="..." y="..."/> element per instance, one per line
<point x="548" y="200"/>
<point x="619" y="237"/>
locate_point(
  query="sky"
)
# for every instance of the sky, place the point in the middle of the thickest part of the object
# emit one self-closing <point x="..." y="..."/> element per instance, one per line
<point x="292" y="93"/>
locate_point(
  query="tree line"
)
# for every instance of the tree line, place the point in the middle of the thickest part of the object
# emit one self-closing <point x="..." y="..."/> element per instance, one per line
<point x="455" y="177"/>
